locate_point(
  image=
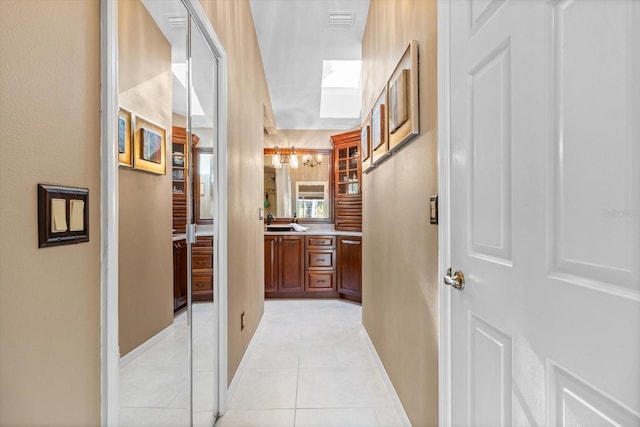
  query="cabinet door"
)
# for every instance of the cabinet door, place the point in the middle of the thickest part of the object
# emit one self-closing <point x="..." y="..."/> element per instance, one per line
<point x="291" y="265"/>
<point x="270" y="263"/>
<point x="350" y="267"/>
<point x="179" y="274"/>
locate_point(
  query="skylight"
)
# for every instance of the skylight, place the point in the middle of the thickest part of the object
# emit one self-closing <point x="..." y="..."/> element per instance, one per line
<point x="341" y="95"/>
<point x="179" y="70"/>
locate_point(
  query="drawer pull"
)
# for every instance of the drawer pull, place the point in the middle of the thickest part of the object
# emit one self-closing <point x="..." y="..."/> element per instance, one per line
<point x="321" y="281"/>
<point x="320" y="260"/>
<point x="201" y="262"/>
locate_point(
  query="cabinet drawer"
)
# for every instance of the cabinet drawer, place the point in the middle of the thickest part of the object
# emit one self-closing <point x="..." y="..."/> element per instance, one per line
<point x="319" y="259"/>
<point x="320" y="281"/>
<point x="321" y="242"/>
<point x="201" y="259"/>
<point x="202" y="281"/>
<point x="204" y="241"/>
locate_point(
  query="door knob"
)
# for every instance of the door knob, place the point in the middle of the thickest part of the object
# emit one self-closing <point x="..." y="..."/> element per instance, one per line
<point x="457" y="280"/>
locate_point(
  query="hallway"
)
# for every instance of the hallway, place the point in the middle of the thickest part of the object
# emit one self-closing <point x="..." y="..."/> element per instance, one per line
<point x="311" y="365"/>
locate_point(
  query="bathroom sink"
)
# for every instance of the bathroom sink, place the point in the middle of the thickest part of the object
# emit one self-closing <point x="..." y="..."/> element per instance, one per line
<point x="279" y="228"/>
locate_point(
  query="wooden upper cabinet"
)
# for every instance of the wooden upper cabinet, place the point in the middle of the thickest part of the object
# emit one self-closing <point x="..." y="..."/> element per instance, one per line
<point x="348" y="181"/>
<point x="180" y="175"/>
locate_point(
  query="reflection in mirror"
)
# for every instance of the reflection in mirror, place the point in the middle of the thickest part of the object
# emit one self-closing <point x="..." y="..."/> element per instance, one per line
<point x="204" y="304"/>
<point x="305" y="191"/>
<point x="203" y="185"/>
<point x="154" y="342"/>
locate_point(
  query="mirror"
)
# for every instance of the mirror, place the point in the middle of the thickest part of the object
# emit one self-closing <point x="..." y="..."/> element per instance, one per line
<point x="168" y="322"/>
<point x="305" y="191"/>
<point x="203" y="185"/>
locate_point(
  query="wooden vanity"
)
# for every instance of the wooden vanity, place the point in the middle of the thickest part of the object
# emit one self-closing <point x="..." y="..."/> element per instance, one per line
<point x="201" y="270"/>
<point x="310" y="265"/>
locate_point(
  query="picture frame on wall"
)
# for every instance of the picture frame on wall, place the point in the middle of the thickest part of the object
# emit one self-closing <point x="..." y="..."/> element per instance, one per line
<point x="404" y="106"/>
<point x="365" y="144"/>
<point x="379" y="128"/>
<point x="398" y="101"/>
<point x="124" y="137"/>
<point x="149" y="153"/>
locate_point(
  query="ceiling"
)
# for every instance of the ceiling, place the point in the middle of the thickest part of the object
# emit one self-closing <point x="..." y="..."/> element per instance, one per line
<point x="171" y="18"/>
<point x="295" y="37"/>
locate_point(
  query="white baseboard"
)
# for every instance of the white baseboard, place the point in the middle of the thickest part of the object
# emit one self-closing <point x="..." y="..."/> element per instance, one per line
<point x="392" y="391"/>
<point x="243" y="365"/>
<point x="133" y="354"/>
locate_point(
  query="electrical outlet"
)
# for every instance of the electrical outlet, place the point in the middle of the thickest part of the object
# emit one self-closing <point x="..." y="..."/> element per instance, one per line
<point x="242" y="321"/>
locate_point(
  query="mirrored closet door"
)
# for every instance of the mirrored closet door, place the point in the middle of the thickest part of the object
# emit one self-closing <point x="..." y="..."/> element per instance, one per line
<point x="168" y="304"/>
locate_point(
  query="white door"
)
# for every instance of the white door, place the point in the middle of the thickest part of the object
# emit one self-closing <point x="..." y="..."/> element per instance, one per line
<point x="545" y="183"/>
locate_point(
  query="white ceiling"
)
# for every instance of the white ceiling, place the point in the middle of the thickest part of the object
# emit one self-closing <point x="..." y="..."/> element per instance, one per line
<point x="171" y="17"/>
<point x="294" y="38"/>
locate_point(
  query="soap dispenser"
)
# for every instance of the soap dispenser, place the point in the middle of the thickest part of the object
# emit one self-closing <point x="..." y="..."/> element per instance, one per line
<point x="295" y="218"/>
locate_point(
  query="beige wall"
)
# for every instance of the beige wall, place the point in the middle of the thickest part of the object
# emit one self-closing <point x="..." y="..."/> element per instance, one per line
<point x="145" y="212"/>
<point x="248" y="97"/>
<point x="400" y="283"/>
<point x="50" y="133"/>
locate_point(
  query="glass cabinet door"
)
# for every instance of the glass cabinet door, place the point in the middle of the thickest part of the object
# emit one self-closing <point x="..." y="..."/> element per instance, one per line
<point x="348" y="173"/>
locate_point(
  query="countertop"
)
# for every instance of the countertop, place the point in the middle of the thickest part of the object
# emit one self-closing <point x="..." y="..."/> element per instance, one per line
<point x="313" y="232"/>
<point x="198" y="233"/>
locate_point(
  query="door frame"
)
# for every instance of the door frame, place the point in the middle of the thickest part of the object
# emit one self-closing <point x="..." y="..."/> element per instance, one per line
<point x="445" y="398"/>
<point x="109" y="348"/>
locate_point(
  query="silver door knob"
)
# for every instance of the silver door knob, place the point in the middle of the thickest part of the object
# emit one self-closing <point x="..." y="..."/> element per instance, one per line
<point x="457" y="280"/>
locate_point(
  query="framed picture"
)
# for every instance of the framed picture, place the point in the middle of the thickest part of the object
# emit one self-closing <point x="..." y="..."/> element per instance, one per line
<point x="398" y="107"/>
<point x="365" y="142"/>
<point x="149" y="141"/>
<point x="404" y="114"/>
<point x="124" y="138"/>
<point x="379" y="121"/>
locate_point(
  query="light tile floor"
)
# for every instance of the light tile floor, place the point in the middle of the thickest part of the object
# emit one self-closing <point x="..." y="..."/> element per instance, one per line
<point x="311" y="366"/>
<point x="154" y="387"/>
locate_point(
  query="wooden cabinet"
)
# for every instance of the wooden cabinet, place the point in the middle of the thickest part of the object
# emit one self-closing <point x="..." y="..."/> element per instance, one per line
<point x="284" y="267"/>
<point x="320" y="264"/>
<point x="202" y="269"/>
<point x="180" y="175"/>
<point x="350" y="268"/>
<point x="179" y="274"/>
<point x="348" y="181"/>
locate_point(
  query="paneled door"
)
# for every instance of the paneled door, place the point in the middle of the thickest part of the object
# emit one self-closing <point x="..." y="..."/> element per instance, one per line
<point x="545" y="212"/>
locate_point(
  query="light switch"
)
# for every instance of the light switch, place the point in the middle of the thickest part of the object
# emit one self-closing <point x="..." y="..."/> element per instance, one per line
<point x="58" y="215"/>
<point x="76" y="215"/>
<point x="433" y="209"/>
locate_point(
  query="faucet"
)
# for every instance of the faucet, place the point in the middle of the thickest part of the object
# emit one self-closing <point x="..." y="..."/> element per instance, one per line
<point x="269" y="218"/>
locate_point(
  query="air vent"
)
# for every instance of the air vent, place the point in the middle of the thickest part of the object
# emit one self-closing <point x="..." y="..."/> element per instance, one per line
<point x="340" y="19"/>
<point x="177" y="22"/>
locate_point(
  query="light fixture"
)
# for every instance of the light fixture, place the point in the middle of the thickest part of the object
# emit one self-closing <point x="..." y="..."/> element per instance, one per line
<point x="275" y="160"/>
<point x="279" y="158"/>
<point x="293" y="159"/>
<point x="308" y="160"/>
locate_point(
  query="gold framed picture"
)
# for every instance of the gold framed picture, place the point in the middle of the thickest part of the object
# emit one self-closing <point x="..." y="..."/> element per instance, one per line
<point x="379" y="128"/>
<point x="149" y="151"/>
<point x="365" y="143"/>
<point x="404" y="111"/>
<point x="124" y="137"/>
